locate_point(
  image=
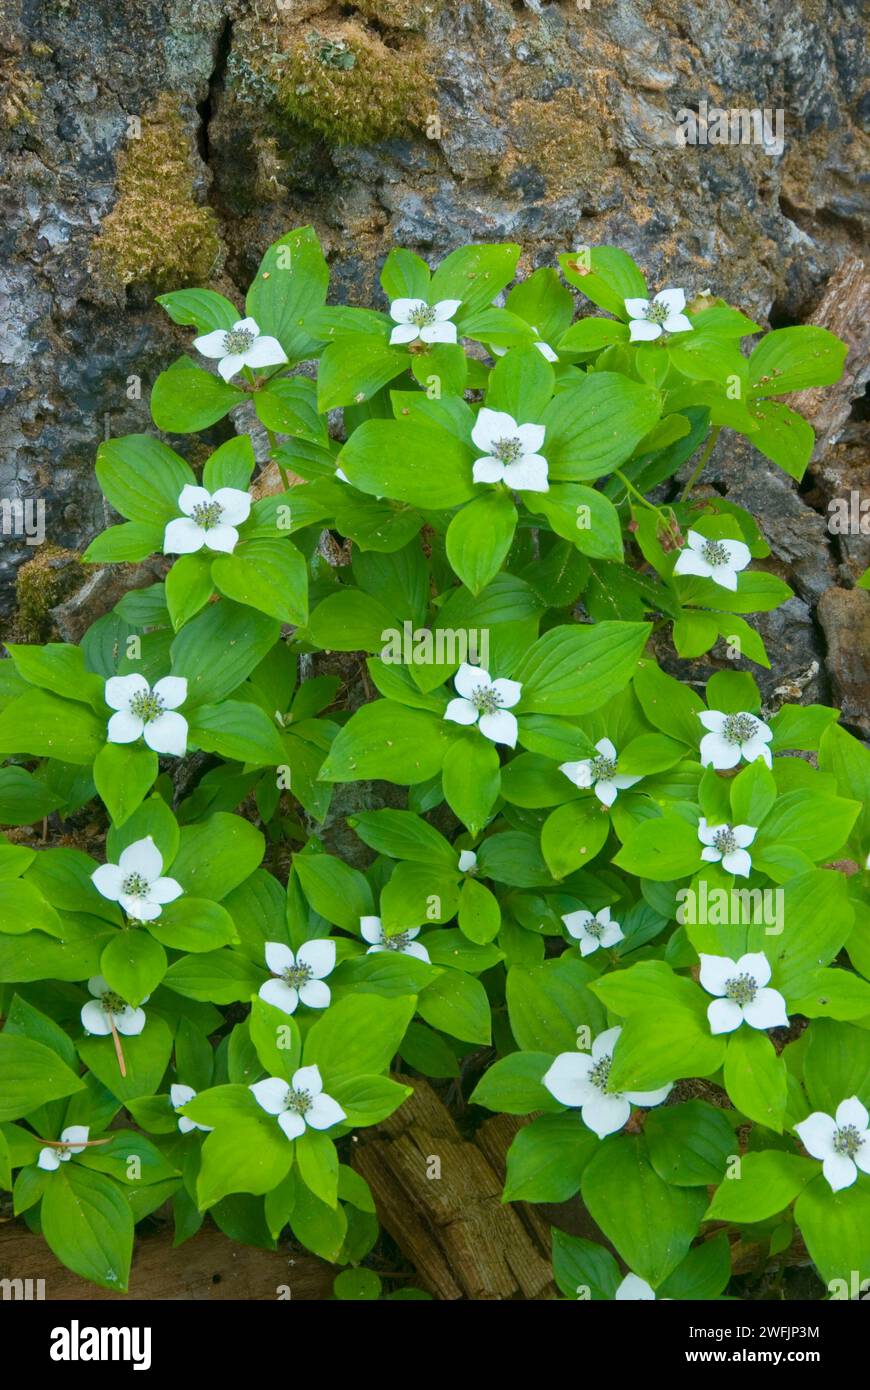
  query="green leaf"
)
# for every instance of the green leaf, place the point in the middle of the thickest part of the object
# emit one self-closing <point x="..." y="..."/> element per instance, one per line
<point x="418" y="894"/>
<point x="663" y="848"/>
<point x="388" y="741"/>
<point x="215" y="977"/>
<point x="24" y="909"/>
<point x="471" y="780"/>
<point x="351" y="621"/>
<point x="836" y="1064"/>
<point x="581" y="1268"/>
<point x="514" y="1084"/>
<point x="240" y="635"/>
<point x="791" y="359"/>
<point x="651" y="1223"/>
<point x="291" y="282"/>
<point x="762" y="1185"/>
<point x="654" y="1049"/>
<point x="549" y="1003"/>
<point x="457" y="1004"/>
<point x="88" y="1224"/>
<point x="479" y="537"/>
<point x="583" y="516"/>
<point x="216" y="855"/>
<point x="31" y="1074"/>
<point x="238" y="730"/>
<point x="123" y="775"/>
<point x="573" y="669"/>
<point x="605" y="274"/>
<point x="133" y="963"/>
<point x="479" y="912"/>
<point x="403" y="835"/>
<point x="594" y="427"/>
<point x="193" y="924"/>
<point x="146" y="1057"/>
<point x="23" y="798"/>
<point x="546" y="1160"/>
<point x="252" y="1154"/>
<point x="783" y="436"/>
<point x="335" y="890"/>
<point x="357" y="1036"/>
<point x="269" y="575"/>
<point x="118" y="545"/>
<point x="368" y="1100"/>
<point x="408" y="460"/>
<point x="755" y="1078"/>
<point x="690" y="1144"/>
<point x="201" y="309"/>
<point x="836" y="1229"/>
<point x="354" y="368"/>
<point x="317" y="1165"/>
<point x="46" y="726"/>
<point x="142" y="478"/>
<point x="474" y="274"/>
<point x="573" y="834"/>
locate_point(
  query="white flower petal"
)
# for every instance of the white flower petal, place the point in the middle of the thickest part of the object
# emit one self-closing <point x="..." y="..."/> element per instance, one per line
<point x="95" y="1020"/>
<point x="724" y="1016"/>
<point x="577" y="922"/>
<point x="606" y="748"/>
<point x="180" y="1095"/>
<point x="308" y="1079"/>
<point x="606" y="792"/>
<point x="605" y="1114"/>
<point x="212" y="344"/>
<point x="461" y="712"/>
<point x="852" y="1112"/>
<point x="738" y="863"/>
<point x="567" y="1078"/>
<point x="634" y="1288"/>
<point x="265" y="352"/>
<point x="121" y="690"/>
<point x="488" y="470"/>
<point x="165" y="890"/>
<point x="438" y="333"/>
<point x="324" y="1112"/>
<point x="605" y="1042"/>
<point x="315" y="994"/>
<point x="724" y="576"/>
<point x="715" y="752"/>
<point x="711" y="855"/>
<point x="192" y="496"/>
<point x="467" y="860"/>
<point x="649" y="1098"/>
<point x="501" y="727"/>
<point x="470" y="678"/>
<point x="688" y="562"/>
<point x="531" y="437"/>
<point x="579" y="773"/>
<point x="492" y="426"/>
<point x="528" y="474"/>
<point x="221" y="538"/>
<point x="270" y="1094"/>
<point x="49" y="1159"/>
<point x="712" y="719"/>
<point x="371" y="929"/>
<point x="738" y="554"/>
<point x="76" y="1137"/>
<point x="445" y="309"/>
<point x="418" y="950"/>
<point x="756" y="964"/>
<point x="715" y="973"/>
<point x="292" y="1124"/>
<point x="840" y="1171"/>
<point x="172" y="691"/>
<point x="403" y="333"/>
<point x="673" y="300"/>
<point x="167" y="734"/>
<point x="278" y="957"/>
<point x="235" y="505"/>
<point x="247" y="325"/>
<point x="183" y="537"/>
<point x="124" y="727"/>
<point x="402" y="309"/>
<point x="636" y="308"/>
<point x="767" y="1010"/>
<point x="677" y="323"/>
<point x="229" y="366"/>
<point x="816" y="1133"/>
<point x="143" y="858"/>
<point x="130" y="1022"/>
<point x="642" y="331"/>
<point x="279" y="994"/>
<point x="756" y="747"/>
<point x="508" y="691"/>
<point x="108" y="880"/>
<point x="319" y="956"/>
<point x="744" y="834"/>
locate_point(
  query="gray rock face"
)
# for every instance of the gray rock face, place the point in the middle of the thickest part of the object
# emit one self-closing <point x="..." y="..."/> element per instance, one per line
<point x="550" y="124"/>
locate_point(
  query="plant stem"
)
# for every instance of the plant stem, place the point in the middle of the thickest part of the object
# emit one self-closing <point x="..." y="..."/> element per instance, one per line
<point x="630" y="488"/>
<point x="699" y="467"/>
<point x="273" y="445"/>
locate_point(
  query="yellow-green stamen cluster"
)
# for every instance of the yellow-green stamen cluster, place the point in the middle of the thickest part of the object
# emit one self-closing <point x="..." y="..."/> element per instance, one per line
<point x="422" y="316"/>
<point x="715" y="553"/>
<point x="298" y="1101"/>
<point x="508" y="450"/>
<point x="146" y="706"/>
<point x="237" y="341"/>
<point x="738" y="728"/>
<point x="847" y="1141"/>
<point x="741" y="989"/>
<point x="207" y="514"/>
<point x="135" y="886"/>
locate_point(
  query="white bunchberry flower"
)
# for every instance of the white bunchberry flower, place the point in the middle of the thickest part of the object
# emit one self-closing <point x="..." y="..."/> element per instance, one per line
<point x="135" y="881"/>
<point x="107" y="1007"/>
<point x="372" y="930"/>
<point x="842" y="1141"/>
<point x="299" y="975"/>
<point x="467" y="861"/>
<point x="593" y="929"/>
<point x="510" y="452"/>
<point x="742" y="996"/>
<point x="430" y="323"/>
<point x="74" y="1139"/>
<point x="298" y="1103"/>
<point x="485" y="702"/>
<point x="146" y="713"/>
<point x="581" y="1079"/>
<point x="728" y="843"/>
<point x="633" y="1287"/>
<point x="599" y="773"/>
<point x="210" y="520"/>
<point x="178" y="1096"/>
<point x="720" y="561"/>
<point x="243" y="345"/>
<point x="732" y="737"/>
<point x="543" y="348"/>
<point x="649" y="319"/>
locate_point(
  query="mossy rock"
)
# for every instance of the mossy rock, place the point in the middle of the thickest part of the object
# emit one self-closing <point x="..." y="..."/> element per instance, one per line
<point x="348" y="86"/>
<point x="157" y="233"/>
<point x="50" y="577"/>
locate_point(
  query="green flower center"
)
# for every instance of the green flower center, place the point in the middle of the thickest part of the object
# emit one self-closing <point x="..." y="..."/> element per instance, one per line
<point x="297" y="975"/>
<point x="299" y="1102"/>
<point x="741" y="989"/>
<point x="509" y="449"/>
<point x="423" y="316"/>
<point x="485" y="699"/>
<point x="595" y="928"/>
<point x="738" y="728"/>
<point x="603" y="768"/>
<point x="113" y="1003"/>
<point x="656" y="313"/>
<point x="399" y="942"/>
<point x="207" y="515"/>
<point x="237" y="341"/>
<point x="724" y="840"/>
<point x="146" y="706"/>
<point x="135" y="886"/>
<point x="600" y="1073"/>
<point x="715" y="553"/>
<point x="847" y="1141"/>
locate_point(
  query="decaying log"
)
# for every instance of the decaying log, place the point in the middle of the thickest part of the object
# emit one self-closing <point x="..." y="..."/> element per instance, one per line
<point x="208" y="1267"/>
<point x="439" y="1197"/>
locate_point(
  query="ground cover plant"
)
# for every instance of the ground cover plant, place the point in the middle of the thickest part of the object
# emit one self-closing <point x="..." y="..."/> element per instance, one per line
<point x="582" y="889"/>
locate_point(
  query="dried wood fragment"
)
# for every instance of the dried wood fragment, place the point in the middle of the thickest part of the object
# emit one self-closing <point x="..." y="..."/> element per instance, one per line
<point x="439" y="1197"/>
